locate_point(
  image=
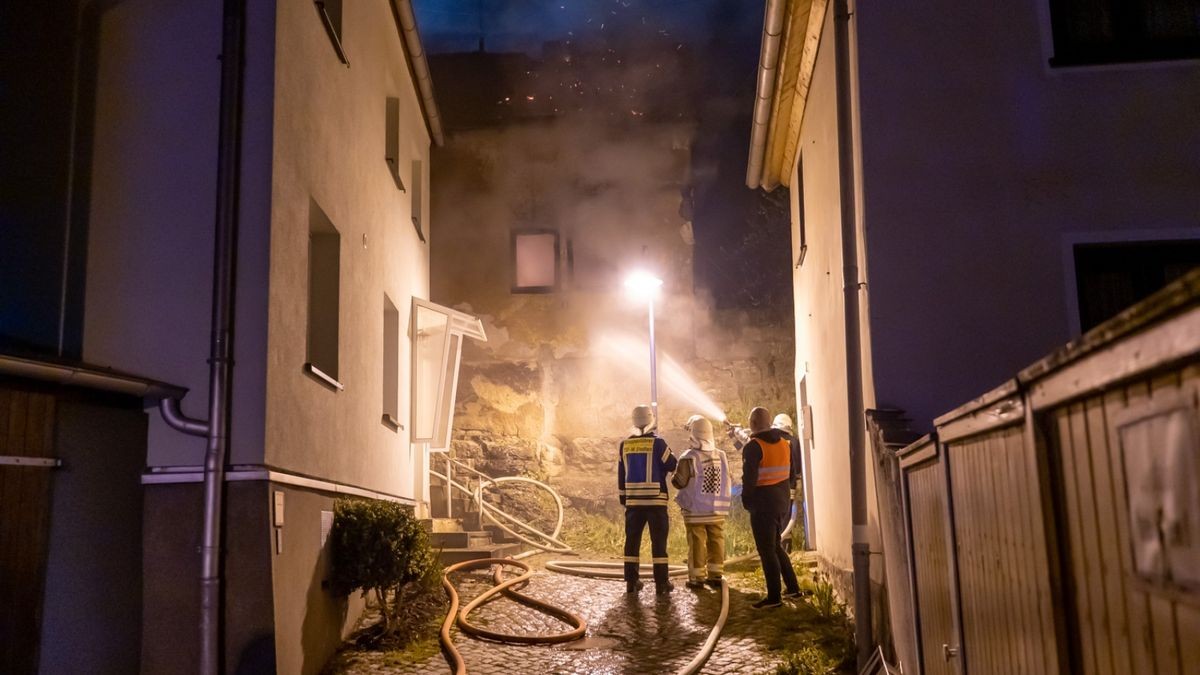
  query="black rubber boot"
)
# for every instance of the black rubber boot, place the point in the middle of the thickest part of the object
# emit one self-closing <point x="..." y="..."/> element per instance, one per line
<point x="634" y="586"/>
<point x="663" y="589"/>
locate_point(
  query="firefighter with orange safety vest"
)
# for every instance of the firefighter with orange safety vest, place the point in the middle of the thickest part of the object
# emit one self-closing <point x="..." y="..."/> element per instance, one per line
<point x="645" y="460"/>
<point x="767" y="481"/>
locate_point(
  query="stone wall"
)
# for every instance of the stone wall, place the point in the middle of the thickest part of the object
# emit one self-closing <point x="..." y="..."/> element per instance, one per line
<point x="560" y="418"/>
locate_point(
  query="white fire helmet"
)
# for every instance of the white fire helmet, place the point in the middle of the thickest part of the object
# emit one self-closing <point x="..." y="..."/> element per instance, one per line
<point x="643" y="417"/>
<point x="782" y="421"/>
<point x="700" y="429"/>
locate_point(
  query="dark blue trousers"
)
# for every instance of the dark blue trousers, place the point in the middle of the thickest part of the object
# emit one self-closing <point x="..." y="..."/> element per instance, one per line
<point x="636" y="520"/>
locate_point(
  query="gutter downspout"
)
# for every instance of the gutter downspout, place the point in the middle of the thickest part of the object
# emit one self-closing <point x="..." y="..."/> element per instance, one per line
<point x="768" y="64"/>
<point x="860" y="546"/>
<point x="416" y="55"/>
<point x="220" y="363"/>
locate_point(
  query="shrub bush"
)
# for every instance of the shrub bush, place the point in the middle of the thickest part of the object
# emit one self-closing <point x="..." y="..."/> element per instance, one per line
<point x="378" y="548"/>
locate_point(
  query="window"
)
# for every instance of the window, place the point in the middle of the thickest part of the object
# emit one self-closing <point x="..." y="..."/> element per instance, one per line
<point x="392" y="140"/>
<point x="391" y="364"/>
<point x="330" y="12"/>
<point x="534" y="261"/>
<point x="1116" y="31"/>
<point x="417" y="197"/>
<point x="1112" y="276"/>
<point x="797" y="199"/>
<point x="324" y="268"/>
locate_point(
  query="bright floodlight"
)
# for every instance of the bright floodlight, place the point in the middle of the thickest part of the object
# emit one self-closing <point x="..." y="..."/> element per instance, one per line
<point x="642" y="283"/>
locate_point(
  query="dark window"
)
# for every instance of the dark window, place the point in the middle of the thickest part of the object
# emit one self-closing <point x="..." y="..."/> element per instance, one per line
<point x="392" y="140"/>
<point x="391" y="364"/>
<point x="798" y="211"/>
<point x="417" y="197"/>
<point x="1118" y="31"/>
<point x="1111" y="277"/>
<point x="534" y="261"/>
<point x="331" y="15"/>
<point x="324" y="269"/>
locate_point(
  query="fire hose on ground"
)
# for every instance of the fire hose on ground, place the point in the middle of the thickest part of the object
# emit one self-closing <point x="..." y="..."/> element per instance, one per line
<point x="510" y="587"/>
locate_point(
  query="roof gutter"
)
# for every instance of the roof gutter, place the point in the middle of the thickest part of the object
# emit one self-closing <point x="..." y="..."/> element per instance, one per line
<point x="768" y="66"/>
<point x="88" y="377"/>
<point x="407" y="22"/>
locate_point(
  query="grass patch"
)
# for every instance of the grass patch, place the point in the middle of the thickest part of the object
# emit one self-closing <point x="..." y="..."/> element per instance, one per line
<point x="604" y="534"/>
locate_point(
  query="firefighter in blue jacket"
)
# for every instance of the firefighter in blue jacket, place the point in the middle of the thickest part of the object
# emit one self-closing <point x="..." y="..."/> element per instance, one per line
<point x="642" y="468"/>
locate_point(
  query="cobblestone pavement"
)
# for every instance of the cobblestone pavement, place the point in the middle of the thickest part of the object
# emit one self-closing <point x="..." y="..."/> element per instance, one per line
<point x="626" y="633"/>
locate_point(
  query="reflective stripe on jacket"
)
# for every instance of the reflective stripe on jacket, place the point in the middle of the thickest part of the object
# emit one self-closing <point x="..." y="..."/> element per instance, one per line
<point x="642" y="471"/>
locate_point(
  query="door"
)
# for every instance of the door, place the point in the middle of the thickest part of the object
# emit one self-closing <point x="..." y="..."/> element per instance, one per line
<point x="26" y="446"/>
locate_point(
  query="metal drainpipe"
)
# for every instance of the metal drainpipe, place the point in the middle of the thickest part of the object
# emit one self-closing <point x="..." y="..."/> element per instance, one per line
<point x="220" y="369"/>
<point x="860" y="546"/>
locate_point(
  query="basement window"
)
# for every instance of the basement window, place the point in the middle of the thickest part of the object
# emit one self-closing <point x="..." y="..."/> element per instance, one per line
<point x="1090" y="32"/>
<point x="391" y="364"/>
<point x="324" y="269"/>
<point x="330" y="12"/>
<point x="392" y="141"/>
<point x="534" y="261"/>
<point x="418" y="197"/>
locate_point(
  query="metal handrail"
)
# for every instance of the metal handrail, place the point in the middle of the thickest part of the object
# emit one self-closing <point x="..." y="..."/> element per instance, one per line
<point x="490" y="511"/>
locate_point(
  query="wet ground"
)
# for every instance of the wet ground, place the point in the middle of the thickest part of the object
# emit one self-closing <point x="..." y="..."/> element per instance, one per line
<point x="641" y="633"/>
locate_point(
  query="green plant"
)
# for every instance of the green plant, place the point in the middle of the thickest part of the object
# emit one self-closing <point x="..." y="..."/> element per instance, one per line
<point x="378" y="548"/>
<point x="808" y="660"/>
<point x="825" y="600"/>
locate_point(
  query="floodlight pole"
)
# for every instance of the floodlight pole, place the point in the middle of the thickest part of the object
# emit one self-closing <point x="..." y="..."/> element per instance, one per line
<point x="653" y="367"/>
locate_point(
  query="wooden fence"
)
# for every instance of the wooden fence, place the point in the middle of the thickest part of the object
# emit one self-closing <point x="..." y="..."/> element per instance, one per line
<point x="26" y="436"/>
<point x="1053" y="525"/>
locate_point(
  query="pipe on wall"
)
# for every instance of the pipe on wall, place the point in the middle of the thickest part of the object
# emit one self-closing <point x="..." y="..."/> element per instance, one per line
<point x="416" y="56"/>
<point x="233" y="56"/>
<point x="851" y="287"/>
<point x="768" y="64"/>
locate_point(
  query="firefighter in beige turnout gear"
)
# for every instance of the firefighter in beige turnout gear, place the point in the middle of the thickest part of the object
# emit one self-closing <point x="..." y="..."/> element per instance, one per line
<point x="704" y="494"/>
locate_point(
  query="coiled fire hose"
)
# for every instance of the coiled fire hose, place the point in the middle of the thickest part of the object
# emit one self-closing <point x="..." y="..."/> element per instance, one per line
<point x="584" y="568"/>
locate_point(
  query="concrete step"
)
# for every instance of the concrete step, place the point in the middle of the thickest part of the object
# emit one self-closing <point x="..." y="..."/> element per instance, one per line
<point x="449" y="556"/>
<point x="433" y="525"/>
<point x="499" y="535"/>
<point x="470" y="539"/>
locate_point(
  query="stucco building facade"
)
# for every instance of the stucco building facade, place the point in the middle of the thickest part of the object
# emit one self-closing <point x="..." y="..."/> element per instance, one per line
<point x="332" y="250"/>
<point x="993" y="156"/>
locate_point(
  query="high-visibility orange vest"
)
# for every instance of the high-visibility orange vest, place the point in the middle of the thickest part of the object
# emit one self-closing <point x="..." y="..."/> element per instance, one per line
<point x="776" y="461"/>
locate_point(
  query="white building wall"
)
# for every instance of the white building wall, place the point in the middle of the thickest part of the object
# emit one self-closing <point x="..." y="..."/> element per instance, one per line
<point x="981" y="163"/>
<point x="820" y="311"/>
<point x="329" y="147"/>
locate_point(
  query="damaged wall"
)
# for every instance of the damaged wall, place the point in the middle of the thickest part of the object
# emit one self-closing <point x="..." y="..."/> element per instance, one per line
<point x="550" y="393"/>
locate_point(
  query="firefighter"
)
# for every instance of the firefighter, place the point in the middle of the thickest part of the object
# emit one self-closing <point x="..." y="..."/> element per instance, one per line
<point x="767" y="481"/>
<point x="702" y="481"/>
<point x="642" y="468"/>
<point x="783" y="422"/>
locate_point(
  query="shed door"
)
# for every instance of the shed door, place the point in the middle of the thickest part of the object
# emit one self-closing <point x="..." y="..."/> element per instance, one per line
<point x="26" y="430"/>
<point x="925" y="494"/>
